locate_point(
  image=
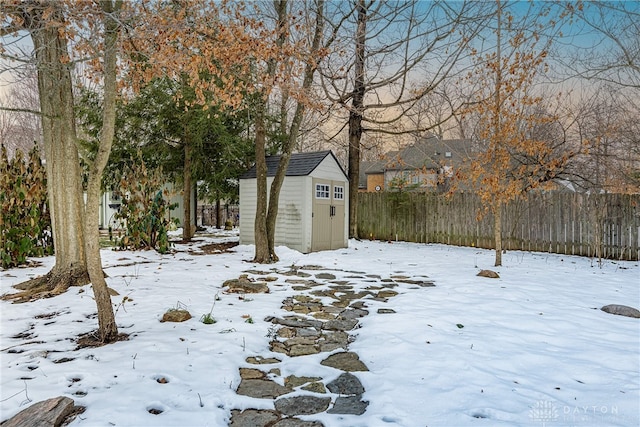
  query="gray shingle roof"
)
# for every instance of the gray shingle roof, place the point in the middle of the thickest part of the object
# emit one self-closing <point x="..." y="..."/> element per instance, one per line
<point x="300" y="164"/>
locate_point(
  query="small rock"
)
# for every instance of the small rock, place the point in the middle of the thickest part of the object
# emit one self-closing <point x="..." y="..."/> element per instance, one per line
<point x="488" y="273"/>
<point x="176" y="316"/>
<point x="302" y="405"/>
<point x="386" y="311"/>
<point x="621" y="310"/>
<point x="325" y="276"/>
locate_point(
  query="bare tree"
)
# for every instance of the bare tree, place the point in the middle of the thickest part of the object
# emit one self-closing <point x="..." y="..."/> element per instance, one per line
<point x="608" y="44"/>
<point x="380" y="48"/>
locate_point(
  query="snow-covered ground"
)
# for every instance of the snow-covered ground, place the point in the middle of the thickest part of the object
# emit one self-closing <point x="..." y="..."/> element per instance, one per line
<point x="531" y="348"/>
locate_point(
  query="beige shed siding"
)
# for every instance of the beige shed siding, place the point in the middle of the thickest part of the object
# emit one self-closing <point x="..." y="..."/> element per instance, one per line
<point x="247" y="210"/>
<point x="289" y="224"/>
<point x="328" y="169"/>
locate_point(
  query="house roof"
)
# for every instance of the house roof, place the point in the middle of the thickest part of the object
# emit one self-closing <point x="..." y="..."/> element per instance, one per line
<point x="430" y="153"/>
<point x="300" y="164"/>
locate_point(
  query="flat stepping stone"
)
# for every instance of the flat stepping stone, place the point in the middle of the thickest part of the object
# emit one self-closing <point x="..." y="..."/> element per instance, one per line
<point x="243" y="285"/>
<point x="386" y="311"/>
<point x="302" y="405"/>
<point x="340" y="325"/>
<point x="295" y="422"/>
<point x="259" y="360"/>
<point x="621" y="310"/>
<point x="293" y="381"/>
<point x="352" y="313"/>
<point x="346" y="361"/>
<point x="315" y="387"/>
<point x="294" y="322"/>
<point x="251" y="374"/>
<point x="261" y="389"/>
<point x="386" y="294"/>
<point x="351" y="405"/>
<point x="253" y="418"/>
<point x="346" y="384"/>
<point x="325" y="276"/>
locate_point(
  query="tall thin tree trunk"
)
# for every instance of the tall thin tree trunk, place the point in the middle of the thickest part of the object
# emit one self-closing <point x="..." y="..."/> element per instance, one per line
<point x="187" y="227"/>
<point x="355" y="118"/>
<point x="218" y="214"/>
<point x="497" y="232"/>
<point x="497" y="130"/>
<point x="294" y="129"/>
<point x="264" y="250"/>
<point x="107" y="328"/>
<point x="260" y="224"/>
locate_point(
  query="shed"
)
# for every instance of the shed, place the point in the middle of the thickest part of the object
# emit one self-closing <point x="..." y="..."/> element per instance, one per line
<point x="313" y="204"/>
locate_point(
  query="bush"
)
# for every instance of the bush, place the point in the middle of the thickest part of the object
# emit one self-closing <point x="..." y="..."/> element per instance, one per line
<point x="25" y="224"/>
<point x="144" y="209"/>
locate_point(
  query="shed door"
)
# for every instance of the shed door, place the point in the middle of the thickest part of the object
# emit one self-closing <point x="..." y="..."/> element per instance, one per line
<point x="328" y="215"/>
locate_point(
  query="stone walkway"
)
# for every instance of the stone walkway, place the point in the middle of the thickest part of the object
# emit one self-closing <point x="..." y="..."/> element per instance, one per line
<point x="324" y="313"/>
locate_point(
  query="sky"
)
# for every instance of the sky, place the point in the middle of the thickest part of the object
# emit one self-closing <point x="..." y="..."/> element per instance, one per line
<point x="531" y="348"/>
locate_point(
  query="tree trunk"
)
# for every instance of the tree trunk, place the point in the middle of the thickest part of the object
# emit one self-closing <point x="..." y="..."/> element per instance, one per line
<point x="107" y="328"/>
<point x="262" y="254"/>
<point x="497" y="232"/>
<point x="64" y="179"/>
<point x="355" y="118"/>
<point x="218" y="215"/>
<point x="186" y="192"/>
<point x="294" y="129"/>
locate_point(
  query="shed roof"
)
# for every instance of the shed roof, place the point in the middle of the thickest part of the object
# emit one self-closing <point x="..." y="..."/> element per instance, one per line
<point x="300" y="164"/>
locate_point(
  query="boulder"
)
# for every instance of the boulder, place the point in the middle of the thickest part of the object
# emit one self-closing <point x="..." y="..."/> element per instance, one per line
<point x="621" y="310"/>
<point x="488" y="273"/>
<point x="176" y="316"/>
<point x="48" y="413"/>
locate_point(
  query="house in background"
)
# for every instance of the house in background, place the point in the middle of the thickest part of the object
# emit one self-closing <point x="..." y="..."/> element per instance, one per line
<point x="313" y="204"/>
<point x="427" y="165"/>
<point x="110" y="203"/>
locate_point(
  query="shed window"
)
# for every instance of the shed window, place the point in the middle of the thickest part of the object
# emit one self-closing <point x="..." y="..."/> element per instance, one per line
<point x="338" y="192"/>
<point x="322" y="191"/>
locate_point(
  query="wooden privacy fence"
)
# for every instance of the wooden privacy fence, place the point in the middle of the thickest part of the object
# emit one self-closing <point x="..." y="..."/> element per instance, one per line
<point x="593" y="225"/>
